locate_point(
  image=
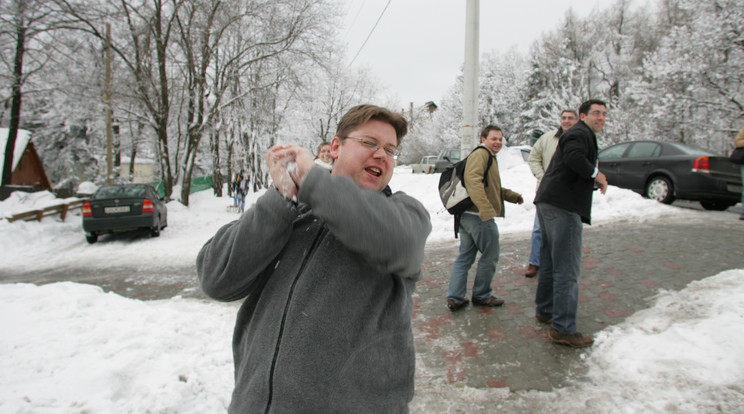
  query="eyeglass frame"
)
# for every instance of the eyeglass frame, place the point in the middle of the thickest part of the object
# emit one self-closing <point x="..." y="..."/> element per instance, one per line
<point x="371" y="144"/>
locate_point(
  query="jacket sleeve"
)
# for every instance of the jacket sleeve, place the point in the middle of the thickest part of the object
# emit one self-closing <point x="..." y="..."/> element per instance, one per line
<point x="475" y="168"/>
<point x="739" y="141"/>
<point x="576" y="153"/>
<point x="509" y="195"/>
<point x="389" y="232"/>
<point x="229" y="264"/>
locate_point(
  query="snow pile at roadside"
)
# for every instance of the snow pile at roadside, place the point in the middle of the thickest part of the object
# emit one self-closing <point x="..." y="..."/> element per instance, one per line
<point x="73" y="348"/>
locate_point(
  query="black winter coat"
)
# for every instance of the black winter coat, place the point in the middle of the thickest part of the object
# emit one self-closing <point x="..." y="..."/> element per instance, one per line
<point x="568" y="182"/>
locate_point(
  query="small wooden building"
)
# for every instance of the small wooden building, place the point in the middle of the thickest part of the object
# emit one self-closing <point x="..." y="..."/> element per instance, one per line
<point x="144" y="170"/>
<point x="28" y="170"/>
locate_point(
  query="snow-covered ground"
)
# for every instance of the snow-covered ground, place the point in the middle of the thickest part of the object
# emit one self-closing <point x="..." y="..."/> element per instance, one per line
<point x="73" y="348"/>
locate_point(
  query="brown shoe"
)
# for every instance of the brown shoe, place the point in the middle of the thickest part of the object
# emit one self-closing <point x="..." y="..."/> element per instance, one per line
<point x="453" y="306"/>
<point x="492" y="301"/>
<point x="546" y="319"/>
<point x="574" y="340"/>
<point x="531" y="270"/>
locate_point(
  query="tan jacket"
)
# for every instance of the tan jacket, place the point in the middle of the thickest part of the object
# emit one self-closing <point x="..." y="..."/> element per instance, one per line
<point x="541" y="154"/>
<point x="489" y="201"/>
<point x="739" y="141"/>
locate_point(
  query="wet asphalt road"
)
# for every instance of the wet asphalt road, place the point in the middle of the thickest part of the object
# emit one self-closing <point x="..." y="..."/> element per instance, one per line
<point x="624" y="265"/>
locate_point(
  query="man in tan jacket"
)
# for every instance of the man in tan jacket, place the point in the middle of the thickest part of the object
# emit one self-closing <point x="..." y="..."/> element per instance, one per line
<point x="478" y="230"/>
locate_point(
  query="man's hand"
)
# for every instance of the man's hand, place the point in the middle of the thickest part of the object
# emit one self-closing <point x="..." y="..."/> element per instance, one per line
<point x="520" y="200"/>
<point x="288" y="165"/>
<point x="601" y="181"/>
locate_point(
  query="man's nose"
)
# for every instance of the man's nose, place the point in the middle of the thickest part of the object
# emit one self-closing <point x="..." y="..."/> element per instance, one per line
<point x="380" y="152"/>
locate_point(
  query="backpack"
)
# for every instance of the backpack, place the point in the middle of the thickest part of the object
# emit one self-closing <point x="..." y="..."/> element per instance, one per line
<point x="452" y="189"/>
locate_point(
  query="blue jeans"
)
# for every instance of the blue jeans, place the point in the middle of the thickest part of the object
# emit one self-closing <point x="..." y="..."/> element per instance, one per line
<point x="475" y="236"/>
<point x="560" y="255"/>
<point x="535" y="243"/>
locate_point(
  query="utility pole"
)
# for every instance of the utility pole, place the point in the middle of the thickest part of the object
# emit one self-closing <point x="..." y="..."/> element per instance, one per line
<point x="107" y="105"/>
<point x="470" y="88"/>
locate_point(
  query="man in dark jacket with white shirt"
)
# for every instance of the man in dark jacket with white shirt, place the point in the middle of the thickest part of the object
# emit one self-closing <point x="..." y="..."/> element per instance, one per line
<point x="326" y="264"/>
<point x="564" y="202"/>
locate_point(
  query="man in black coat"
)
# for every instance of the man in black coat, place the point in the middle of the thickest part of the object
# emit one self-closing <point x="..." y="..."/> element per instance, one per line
<point x="564" y="202"/>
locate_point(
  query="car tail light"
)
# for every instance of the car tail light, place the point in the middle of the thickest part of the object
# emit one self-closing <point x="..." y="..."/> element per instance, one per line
<point x="87" y="211"/>
<point x="701" y="164"/>
<point x="147" y="206"/>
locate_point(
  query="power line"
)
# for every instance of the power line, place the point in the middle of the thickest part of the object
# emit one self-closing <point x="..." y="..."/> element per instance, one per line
<point x="356" y="16"/>
<point x="370" y="34"/>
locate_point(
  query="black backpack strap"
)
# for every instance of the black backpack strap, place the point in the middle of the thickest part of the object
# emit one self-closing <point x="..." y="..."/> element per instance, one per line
<point x="457" y="224"/>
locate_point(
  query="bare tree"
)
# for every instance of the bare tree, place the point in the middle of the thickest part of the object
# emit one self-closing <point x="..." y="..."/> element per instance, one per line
<point x="22" y="22"/>
<point x="266" y="31"/>
<point x="142" y="44"/>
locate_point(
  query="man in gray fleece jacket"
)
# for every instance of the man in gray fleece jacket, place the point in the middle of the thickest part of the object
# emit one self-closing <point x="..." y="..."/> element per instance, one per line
<point x="326" y="265"/>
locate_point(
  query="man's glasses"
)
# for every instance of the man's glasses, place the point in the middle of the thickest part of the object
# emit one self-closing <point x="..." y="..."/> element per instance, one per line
<point x="372" y="145"/>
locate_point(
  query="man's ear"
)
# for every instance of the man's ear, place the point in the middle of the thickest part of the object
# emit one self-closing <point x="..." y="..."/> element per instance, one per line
<point x="581" y="117"/>
<point x="335" y="144"/>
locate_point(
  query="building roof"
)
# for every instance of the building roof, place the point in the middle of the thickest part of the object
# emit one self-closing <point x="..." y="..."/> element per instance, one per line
<point x="21" y="142"/>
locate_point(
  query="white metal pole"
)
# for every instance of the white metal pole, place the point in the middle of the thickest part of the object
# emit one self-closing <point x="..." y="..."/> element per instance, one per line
<point x="470" y="128"/>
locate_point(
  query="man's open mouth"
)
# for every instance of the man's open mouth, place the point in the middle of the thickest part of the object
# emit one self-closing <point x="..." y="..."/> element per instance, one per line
<point x="374" y="171"/>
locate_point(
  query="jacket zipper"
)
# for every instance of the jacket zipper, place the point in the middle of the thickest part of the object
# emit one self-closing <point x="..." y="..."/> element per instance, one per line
<point x="305" y="260"/>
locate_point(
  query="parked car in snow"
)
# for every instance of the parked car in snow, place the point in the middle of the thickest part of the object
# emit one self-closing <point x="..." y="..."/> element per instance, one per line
<point x="665" y="171"/>
<point x="524" y="150"/>
<point x="426" y="166"/>
<point x="446" y="158"/>
<point x="124" y="207"/>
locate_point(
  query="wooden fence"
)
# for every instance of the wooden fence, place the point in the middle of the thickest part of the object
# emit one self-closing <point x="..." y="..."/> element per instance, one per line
<point x="57" y="209"/>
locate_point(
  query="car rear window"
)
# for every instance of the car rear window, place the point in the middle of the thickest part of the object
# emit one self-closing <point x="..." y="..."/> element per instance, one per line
<point x="120" y="191"/>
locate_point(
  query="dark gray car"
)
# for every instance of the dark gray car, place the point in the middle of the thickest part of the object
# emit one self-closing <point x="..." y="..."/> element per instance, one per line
<point x="124" y="207"/>
<point x="665" y="171"/>
<point x="446" y="158"/>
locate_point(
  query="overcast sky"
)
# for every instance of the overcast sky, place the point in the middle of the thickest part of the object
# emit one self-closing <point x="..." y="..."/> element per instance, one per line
<point x="418" y="47"/>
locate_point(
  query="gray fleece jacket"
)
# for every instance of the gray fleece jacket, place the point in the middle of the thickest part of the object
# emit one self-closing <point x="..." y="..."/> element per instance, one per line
<point x="326" y="321"/>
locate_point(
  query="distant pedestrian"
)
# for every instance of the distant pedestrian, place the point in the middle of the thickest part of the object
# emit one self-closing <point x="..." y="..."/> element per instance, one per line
<point x="564" y="202"/>
<point x="478" y="230"/>
<point x="540" y="156"/>
<point x="323" y="157"/>
<point x="234" y="189"/>
<point x="241" y="188"/>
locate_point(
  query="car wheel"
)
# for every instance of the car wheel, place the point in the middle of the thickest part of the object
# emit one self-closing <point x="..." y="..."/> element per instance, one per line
<point x="91" y="237"/>
<point x="716" y="205"/>
<point x="155" y="230"/>
<point x="660" y="188"/>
